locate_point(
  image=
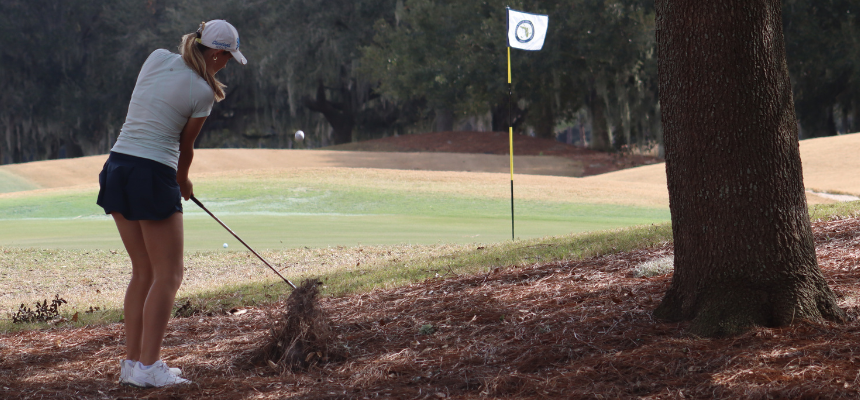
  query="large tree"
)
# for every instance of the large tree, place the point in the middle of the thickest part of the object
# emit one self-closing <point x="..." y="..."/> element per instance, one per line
<point x="744" y="253"/>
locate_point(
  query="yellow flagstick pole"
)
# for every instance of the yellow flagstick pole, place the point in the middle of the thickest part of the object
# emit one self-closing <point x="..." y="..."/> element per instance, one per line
<point x="511" y="138"/>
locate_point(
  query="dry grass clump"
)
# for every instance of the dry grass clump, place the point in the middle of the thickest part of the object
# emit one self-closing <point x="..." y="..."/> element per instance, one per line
<point x="656" y="267"/>
<point x="302" y="336"/>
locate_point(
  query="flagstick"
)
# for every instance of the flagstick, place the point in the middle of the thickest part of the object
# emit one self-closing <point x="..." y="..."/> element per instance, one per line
<point x="511" y="138"/>
<point x="534" y="27"/>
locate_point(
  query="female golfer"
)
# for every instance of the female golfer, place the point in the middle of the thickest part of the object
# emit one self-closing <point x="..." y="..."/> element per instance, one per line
<point x="144" y="178"/>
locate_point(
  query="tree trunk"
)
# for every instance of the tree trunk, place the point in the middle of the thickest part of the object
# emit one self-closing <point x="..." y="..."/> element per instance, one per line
<point x="854" y="123"/>
<point x="444" y="121"/>
<point x="657" y="128"/>
<point x="744" y="252"/>
<point x="545" y="124"/>
<point x="599" y="134"/>
<point x="339" y="115"/>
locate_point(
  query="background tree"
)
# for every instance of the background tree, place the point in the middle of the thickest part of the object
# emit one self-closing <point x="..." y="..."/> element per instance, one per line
<point x="302" y="57"/>
<point x="447" y="55"/>
<point x="744" y="254"/>
<point x="64" y="74"/>
<point x="612" y="43"/>
<point x="598" y="55"/>
<point x="353" y="70"/>
<point x="823" y="46"/>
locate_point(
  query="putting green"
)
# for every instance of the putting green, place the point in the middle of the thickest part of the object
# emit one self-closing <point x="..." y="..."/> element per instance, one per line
<point x="275" y="210"/>
<point x="278" y="232"/>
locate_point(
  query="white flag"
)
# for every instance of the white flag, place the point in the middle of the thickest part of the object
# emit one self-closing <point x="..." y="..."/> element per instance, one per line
<point x="526" y="31"/>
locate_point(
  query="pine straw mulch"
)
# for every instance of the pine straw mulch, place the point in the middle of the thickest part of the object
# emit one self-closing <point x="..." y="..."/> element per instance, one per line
<point x="559" y="330"/>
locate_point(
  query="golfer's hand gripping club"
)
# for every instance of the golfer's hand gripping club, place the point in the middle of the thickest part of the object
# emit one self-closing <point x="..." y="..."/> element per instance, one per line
<point x="199" y="204"/>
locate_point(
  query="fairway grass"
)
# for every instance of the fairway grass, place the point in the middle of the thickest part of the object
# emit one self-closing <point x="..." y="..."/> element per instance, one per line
<point x="328" y="207"/>
<point x="93" y="281"/>
<point x="341" y="224"/>
<point x="217" y="281"/>
<point x="357" y="229"/>
<point x="10" y="182"/>
<point x="292" y="231"/>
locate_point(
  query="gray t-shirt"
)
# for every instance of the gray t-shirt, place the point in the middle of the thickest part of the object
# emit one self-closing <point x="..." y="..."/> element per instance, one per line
<point x="166" y="95"/>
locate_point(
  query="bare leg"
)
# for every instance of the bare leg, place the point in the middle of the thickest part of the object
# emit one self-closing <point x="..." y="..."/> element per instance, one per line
<point x="164" y="245"/>
<point x="138" y="287"/>
<point x="155" y="249"/>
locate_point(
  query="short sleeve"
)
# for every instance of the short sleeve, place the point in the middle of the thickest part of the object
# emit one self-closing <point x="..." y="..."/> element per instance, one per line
<point x="202" y="99"/>
<point x="203" y="109"/>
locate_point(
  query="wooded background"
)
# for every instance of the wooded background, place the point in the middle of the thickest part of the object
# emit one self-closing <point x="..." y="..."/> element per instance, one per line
<point x="351" y="70"/>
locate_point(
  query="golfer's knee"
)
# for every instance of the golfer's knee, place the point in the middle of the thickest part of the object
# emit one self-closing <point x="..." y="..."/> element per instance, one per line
<point x="142" y="276"/>
<point x="170" y="279"/>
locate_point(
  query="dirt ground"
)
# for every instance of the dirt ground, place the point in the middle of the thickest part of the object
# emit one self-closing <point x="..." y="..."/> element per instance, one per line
<point x="592" y="162"/>
<point x="550" y="330"/>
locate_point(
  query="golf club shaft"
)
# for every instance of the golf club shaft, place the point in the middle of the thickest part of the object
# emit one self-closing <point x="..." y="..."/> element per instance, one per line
<point x="199" y="204"/>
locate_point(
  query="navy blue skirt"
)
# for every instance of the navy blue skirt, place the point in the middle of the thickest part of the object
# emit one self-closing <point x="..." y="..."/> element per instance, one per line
<point x="138" y="188"/>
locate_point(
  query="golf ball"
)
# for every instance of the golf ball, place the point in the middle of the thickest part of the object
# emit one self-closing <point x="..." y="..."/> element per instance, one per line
<point x="300" y="136"/>
<point x="225" y="245"/>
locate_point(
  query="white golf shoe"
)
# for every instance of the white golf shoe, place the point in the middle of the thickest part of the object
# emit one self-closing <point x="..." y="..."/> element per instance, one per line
<point x="127" y="366"/>
<point x="158" y="375"/>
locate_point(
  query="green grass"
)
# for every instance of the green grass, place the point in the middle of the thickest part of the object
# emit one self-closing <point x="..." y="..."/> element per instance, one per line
<point x="401" y="265"/>
<point x="344" y="270"/>
<point x="483" y="258"/>
<point x="826" y="212"/>
<point x="282" y="214"/>
<point x="356" y="236"/>
<point x="13" y="183"/>
<point x="322" y="224"/>
<point x="96" y="278"/>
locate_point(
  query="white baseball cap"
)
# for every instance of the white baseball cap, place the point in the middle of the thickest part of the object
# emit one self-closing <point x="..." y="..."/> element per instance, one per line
<point x="219" y="34"/>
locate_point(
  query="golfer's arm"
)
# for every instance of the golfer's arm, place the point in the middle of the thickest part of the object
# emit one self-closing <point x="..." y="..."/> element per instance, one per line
<point x="186" y="146"/>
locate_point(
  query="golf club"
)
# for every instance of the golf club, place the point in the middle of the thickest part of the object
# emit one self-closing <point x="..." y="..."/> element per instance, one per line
<point x="199" y="204"/>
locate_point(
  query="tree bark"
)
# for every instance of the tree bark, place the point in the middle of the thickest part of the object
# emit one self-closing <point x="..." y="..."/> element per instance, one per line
<point x="340" y="116"/>
<point x="744" y="252"/>
<point x="444" y="121"/>
<point x="545" y="124"/>
<point x="600" y="140"/>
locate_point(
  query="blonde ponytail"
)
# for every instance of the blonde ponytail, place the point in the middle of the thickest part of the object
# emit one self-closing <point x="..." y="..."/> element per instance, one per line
<point x="192" y="53"/>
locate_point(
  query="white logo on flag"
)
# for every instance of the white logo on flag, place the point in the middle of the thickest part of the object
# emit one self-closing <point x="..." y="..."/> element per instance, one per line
<point x="526" y="31"/>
